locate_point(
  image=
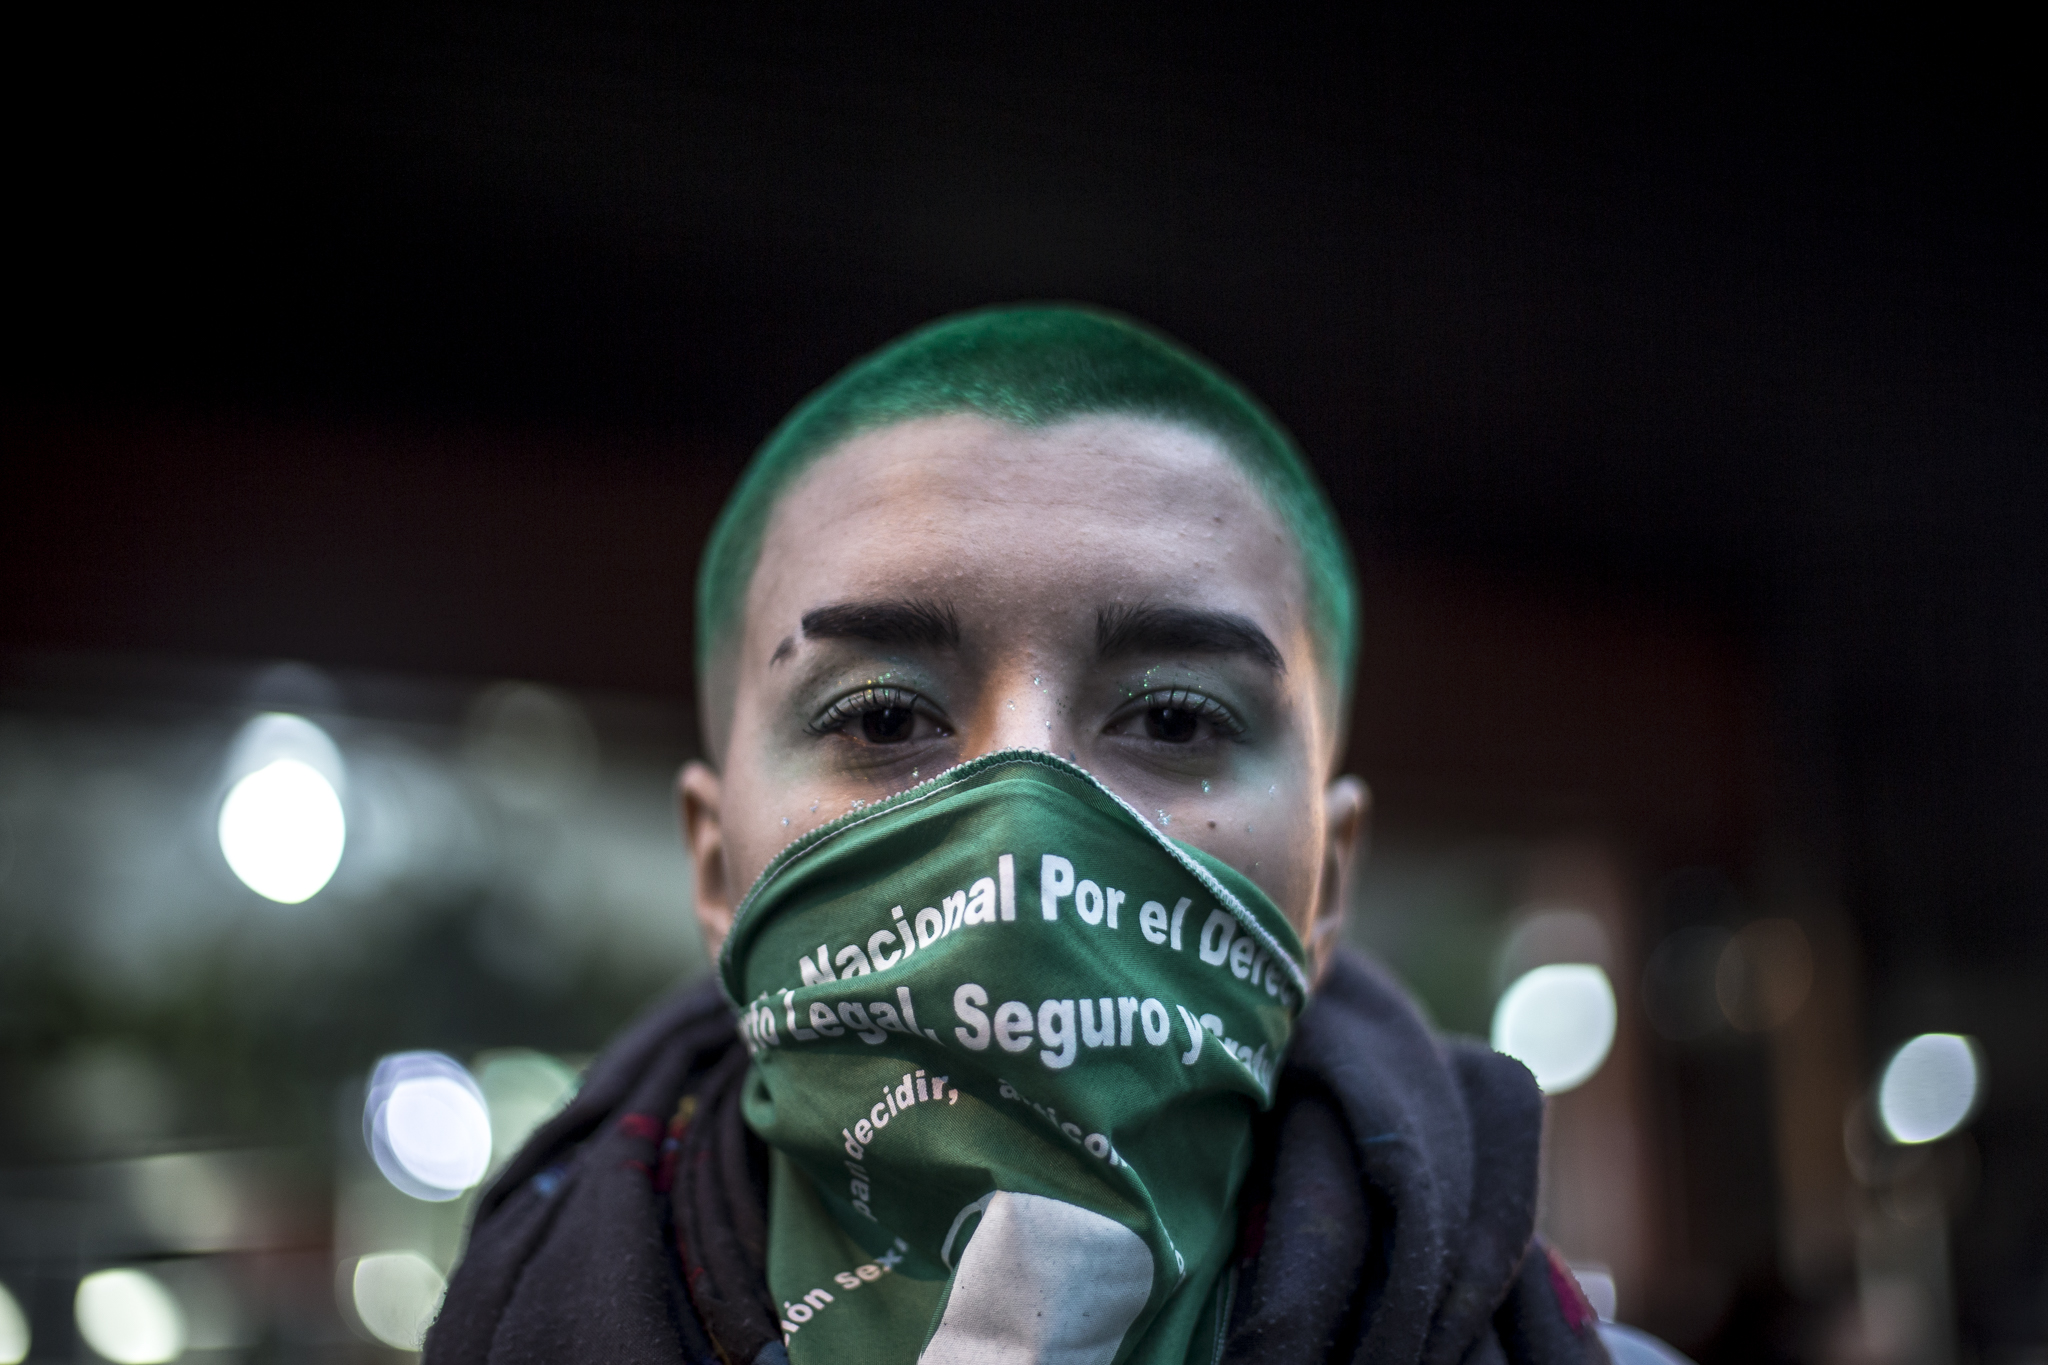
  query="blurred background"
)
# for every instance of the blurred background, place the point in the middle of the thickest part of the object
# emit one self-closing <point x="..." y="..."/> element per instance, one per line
<point x="1679" y="376"/>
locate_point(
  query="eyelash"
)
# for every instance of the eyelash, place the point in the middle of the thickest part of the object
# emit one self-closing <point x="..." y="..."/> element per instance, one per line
<point x="854" y="705"/>
<point x="1205" y="707"/>
<point x="867" y="700"/>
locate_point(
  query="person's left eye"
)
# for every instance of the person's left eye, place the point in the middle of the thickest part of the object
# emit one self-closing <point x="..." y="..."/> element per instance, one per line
<point x="881" y="715"/>
<point x="1176" y="716"/>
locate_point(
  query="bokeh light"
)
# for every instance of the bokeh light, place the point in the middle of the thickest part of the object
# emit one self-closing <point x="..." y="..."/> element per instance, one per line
<point x="427" y="1125"/>
<point x="282" y="830"/>
<point x="397" y="1294"/>
<point x="129" y="1317"/>
<point x="523" y="1089"/>
<point x="14" y="1338"/>
<point x="1764" y="974"/>
<point x="1557" y="1020"/>
<point x="1929" y="1088"/>
<point x="1681" y="983"/>
<point x="532" y="747"/>
<point x="440" y="1131"/>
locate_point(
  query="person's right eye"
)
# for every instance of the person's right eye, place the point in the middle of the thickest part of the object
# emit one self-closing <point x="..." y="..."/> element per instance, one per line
<point x="881" y="715"/>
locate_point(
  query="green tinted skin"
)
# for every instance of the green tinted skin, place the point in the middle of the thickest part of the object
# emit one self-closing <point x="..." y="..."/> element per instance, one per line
<point x="1026" y="540"/>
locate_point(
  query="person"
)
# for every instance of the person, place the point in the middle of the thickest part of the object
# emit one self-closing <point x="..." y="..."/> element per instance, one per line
<point x="1025" y="650"/>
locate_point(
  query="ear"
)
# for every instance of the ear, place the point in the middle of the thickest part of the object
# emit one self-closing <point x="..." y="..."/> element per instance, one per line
<point x="1347" y="814"/>
<point x="700" y="792"/>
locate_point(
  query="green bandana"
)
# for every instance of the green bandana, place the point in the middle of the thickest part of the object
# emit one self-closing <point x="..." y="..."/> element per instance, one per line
<point x="1008" y="1041"/>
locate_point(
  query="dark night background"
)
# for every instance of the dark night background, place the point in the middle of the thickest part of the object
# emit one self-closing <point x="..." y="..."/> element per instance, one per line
<point x="429" y="343"/>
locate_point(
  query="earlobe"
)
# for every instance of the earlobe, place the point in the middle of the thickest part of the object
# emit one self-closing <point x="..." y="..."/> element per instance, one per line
<point x="699" y="793"/>
<point x="1347" y="812"/>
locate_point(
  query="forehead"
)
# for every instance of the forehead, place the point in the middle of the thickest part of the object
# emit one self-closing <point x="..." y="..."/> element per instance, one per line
<point x="1090" y="511"/>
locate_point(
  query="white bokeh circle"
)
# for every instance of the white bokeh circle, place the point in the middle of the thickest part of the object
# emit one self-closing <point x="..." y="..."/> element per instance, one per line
<point x="397" y="1295"/>
<point x="1929" y="1088"/>
<point x="282" y="830"/>
<point x="14" y="1332"/>
<point x="427" y="1125"/>
<point x="129" y="1317"/>
<point x="1558" y="1020"/>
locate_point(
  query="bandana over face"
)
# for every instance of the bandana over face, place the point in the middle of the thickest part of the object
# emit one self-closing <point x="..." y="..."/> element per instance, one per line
<point x="1008" y="1042"/>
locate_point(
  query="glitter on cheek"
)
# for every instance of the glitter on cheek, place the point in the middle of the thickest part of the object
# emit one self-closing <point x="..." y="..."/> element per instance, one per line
<point x="1205" y="786"/>
<point x="1165" y="819"/>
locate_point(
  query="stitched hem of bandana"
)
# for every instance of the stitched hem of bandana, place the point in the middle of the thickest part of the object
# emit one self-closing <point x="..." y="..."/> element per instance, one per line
<point x="804" y="844"/>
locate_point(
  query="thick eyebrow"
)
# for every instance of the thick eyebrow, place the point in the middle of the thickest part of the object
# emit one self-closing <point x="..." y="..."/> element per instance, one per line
<point x="1184" y="630"/>
<point x="908" y="622"/>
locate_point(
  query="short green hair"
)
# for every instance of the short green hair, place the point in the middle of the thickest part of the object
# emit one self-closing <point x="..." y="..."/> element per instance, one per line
<point x="1033" y="366"/>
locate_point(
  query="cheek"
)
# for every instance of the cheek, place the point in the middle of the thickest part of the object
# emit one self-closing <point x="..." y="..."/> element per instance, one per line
<point x="746" y="824"/>
<point x="771" y="798"/>
<point x="762" y="808"/>
<point x="1276" y="841"/>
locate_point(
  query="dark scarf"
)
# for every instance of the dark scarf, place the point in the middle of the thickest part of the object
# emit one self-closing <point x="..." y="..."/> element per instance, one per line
<point x="1388" y="1220"/>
